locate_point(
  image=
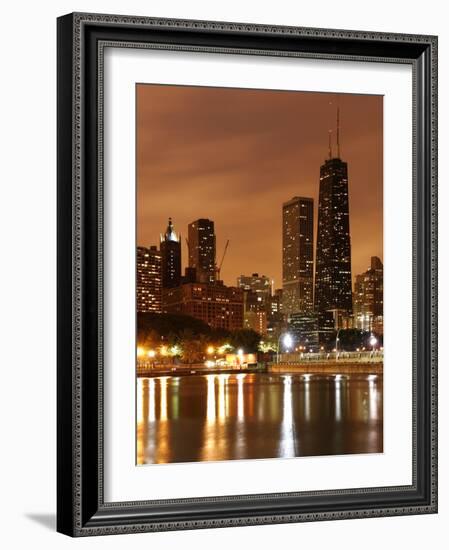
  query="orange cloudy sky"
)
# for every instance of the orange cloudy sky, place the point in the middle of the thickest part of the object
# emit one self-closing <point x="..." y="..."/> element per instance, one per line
<point x="235" y="155"/>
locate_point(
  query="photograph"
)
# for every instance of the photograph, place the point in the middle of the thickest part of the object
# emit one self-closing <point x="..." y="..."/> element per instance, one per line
<point x="246" y="273"/>
<point x="259" y="274"/>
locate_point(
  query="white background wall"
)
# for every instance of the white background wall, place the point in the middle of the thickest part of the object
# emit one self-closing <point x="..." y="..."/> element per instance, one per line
<point x="27" y="289"/>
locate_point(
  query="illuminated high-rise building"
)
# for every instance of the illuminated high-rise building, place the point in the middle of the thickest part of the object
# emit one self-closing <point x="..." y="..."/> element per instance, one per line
<point x="201" y="245"/>
<point x="368" y="298"/>
<point x="333" y="290"/>
<point x="171" y="257"/>
<point x="297" y="255"/>
<point x="148" y="280"/>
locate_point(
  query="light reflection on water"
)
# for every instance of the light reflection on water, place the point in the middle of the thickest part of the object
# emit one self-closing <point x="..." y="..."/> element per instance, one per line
<point x="240" y="398"/>
<point x="287" y="436"/>
<point x="211" y="398"/>
<point x="247" y="415"/>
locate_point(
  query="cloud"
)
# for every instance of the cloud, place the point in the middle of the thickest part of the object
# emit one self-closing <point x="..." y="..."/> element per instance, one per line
<point x="236" y="155"/>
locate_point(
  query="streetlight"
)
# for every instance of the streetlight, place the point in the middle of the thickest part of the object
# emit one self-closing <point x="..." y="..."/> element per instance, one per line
<point x="373" y="341"/>
<point x="240" y="357"/>
<point x="287" y="340"/>
<point x="151" y="354"/>
<point x="337" y="339"/>
<point x="210" y="350"/>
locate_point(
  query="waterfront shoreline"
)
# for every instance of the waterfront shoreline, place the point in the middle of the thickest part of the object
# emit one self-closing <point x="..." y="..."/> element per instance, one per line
<point x="281" y="369"/>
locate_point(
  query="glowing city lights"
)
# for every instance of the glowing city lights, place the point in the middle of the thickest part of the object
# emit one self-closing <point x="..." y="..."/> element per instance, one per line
<point x="287" y="340"/>
<point x="163" y="351"/>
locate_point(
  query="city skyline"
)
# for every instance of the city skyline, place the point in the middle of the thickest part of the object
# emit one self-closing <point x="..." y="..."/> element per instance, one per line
<point x="186" y="262"/>
<point x="251" y="249"/>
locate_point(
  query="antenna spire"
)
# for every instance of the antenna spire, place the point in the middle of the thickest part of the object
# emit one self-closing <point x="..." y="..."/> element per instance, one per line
<point x="338" y="132"/>
<point x="330" y="144"/>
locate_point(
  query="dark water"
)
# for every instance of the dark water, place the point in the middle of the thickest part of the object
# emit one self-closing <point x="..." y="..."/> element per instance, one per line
<point x="247" y="416"/>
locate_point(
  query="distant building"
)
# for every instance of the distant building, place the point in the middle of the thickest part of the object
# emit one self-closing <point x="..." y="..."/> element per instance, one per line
<point x="275" y="309"/>
<point x="275" y="316"/>
<point x="256" y="294"/>
<point x="368" y="298"/>
<point x="259" y="284"/>
<point x="340" y="319"/>
<point x="297" y="255"/>
<point x="171" y="257"/>
<point x="254" y="311"/>
<point x="304" y="326"/>
<point x="189" y="275"/>
<point x="201" y="244"/>
<point x="255" y="320"/>
<point x="217" y="305"/>
<point x="149" y="280"/>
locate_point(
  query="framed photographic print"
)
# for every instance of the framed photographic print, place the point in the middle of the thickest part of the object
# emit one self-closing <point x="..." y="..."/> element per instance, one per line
<point x="247" y="282"/>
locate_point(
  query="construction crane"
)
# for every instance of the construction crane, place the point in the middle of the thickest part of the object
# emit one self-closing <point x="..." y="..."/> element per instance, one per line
<point x="218" y="267"/>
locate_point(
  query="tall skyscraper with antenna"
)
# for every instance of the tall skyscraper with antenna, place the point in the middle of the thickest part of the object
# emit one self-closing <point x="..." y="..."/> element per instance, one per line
<point x="333" y="288"/>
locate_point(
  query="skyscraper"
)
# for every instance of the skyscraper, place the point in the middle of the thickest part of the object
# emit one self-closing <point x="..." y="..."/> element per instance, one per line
<point x="297" y="255"/>
<point x="333" y="290"/>
<point x="171" y="257"/>
<point x="201" y="245"/>
<point x="149" y="280"/>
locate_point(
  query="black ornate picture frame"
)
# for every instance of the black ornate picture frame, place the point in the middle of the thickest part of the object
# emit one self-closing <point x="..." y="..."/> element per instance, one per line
<point x="81" y="509"/>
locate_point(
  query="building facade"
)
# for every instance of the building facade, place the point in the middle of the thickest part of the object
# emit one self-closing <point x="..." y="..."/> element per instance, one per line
<point x="333" y="288"/>
<point x="202" y="249"/>
<point x="304" y="326"/>
<point x="297" y="255"/>
<point x="217" y="305"/>
<point x="256" y="320"/>
<point x="259" y="284"/>
<point x="254" y="311"/>
<point x="368" y="298"/>
<point x="275" y="318"/>
<point x="171" y="257"/>
<point x="276" y="309"/>
<point x="148" y="280"/>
